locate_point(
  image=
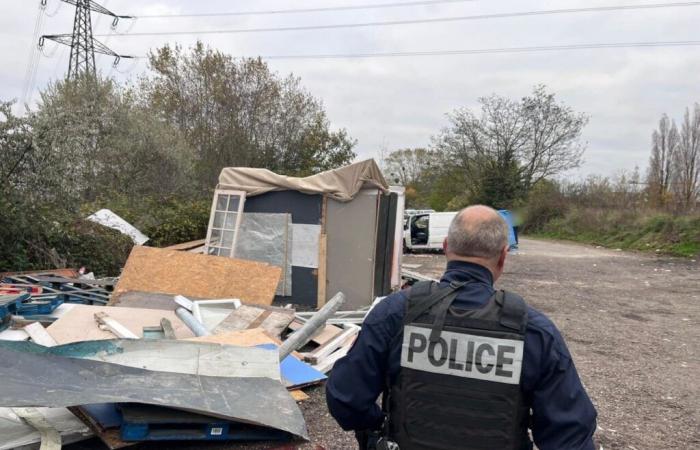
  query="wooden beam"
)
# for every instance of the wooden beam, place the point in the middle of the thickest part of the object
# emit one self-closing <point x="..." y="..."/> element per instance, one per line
<point x="39" y="334"/>
<point x="115" y="327"/>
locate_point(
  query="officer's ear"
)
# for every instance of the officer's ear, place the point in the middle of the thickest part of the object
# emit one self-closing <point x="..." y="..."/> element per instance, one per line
<point x="444" y="246"/>
<point x="502" y="258"/>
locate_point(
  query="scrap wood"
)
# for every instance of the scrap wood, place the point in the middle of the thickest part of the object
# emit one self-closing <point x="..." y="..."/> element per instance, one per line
<point x="339" y="341"/>
<point x="50" y="437"/>
<point x="303" y="335"/>
<point x="200" y="276"/>
<point x="17" y="433"/>
<point x="346" y="337"/>
<point x="323" y="335"/>
<point x="299" y="395"/>
<point x="242" y="338"/>
<point x="187" y="245"/>
<point x="114" y="326"/>
<point x="110" y="437"/>
<point x="71" y="381"/>
<point x="39" y="334"/>
<point x="78" y="323"/>
<point x="69" y="273"/>
<point x="272" y="319"/>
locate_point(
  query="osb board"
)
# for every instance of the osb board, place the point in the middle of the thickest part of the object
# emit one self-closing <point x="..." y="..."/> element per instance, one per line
<point x="299" y="395"/>
<point x="79" y="323"/>
<point x="194" y="275"/>
<point x="242" y="338"/>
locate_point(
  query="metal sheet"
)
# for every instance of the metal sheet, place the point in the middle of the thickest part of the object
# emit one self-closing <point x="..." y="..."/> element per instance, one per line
<point x="36" y="380"/>
<point x="268" y="238"/>
<point x="14" y="432"/>
<point x="305" y="245"/>
<point x="186" y="357"/>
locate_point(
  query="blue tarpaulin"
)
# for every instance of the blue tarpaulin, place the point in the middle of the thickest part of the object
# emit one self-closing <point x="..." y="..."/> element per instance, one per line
<point x="508" y="217"/>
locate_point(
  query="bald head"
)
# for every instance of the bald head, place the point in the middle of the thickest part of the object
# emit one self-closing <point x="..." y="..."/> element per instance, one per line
<point x="477" y="232"/>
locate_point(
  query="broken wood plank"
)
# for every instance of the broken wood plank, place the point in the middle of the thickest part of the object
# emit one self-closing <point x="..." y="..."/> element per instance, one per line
<point x="78" y="323"/>
<point x="194" y="275"/>
<point x="327" y="364"/>
<point x="271" y="319"/>
<point x="324" y="335"/>
<point x="50" y="437"/>
<point x="339" y="341"/>
<point x="115" y="327"/>
<point x="299" y="395"/>
<point x="39" y="335"/>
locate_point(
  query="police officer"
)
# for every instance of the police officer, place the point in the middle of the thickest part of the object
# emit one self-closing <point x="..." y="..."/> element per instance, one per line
<point x="460" y="364"/>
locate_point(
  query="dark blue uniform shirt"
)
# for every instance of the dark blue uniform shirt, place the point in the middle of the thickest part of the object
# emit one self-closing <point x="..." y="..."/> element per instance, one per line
<point x="563" y="416"/>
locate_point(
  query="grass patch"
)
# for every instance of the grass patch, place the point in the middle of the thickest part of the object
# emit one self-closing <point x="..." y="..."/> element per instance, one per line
<point x="629" y="230"/>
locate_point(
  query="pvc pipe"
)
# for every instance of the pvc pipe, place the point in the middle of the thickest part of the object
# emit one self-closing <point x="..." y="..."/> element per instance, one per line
<point x="304" y="334"/>
<point x="192" y="323"/>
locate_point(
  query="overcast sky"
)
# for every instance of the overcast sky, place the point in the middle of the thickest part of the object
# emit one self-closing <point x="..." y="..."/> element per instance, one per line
<point x="401" y="102"/>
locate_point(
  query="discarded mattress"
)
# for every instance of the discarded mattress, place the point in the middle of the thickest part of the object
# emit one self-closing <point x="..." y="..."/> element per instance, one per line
<point x="194" y="358"/>
<point x="31" y="379"/>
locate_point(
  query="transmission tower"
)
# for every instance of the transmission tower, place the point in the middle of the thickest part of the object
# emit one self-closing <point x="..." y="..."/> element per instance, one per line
<point x="81" y="42"/>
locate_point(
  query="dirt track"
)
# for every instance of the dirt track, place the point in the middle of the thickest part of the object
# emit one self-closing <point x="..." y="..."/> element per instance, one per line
<point x="632" y="324"/>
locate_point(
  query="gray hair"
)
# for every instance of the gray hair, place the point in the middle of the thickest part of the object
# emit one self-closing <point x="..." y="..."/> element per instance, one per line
<point x="483" y="236"/>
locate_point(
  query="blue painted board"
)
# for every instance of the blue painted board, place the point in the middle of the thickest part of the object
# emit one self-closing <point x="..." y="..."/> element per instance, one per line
<point x="296" y="373"/>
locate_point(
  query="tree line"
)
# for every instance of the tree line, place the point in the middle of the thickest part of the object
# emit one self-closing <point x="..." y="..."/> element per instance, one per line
<point x="508" y="149"/>
<point x="151" y="149"/>
<point x="494" y="155"/>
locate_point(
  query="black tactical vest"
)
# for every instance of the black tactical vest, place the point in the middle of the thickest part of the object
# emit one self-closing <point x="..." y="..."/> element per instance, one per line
<point x="459" y="383"/>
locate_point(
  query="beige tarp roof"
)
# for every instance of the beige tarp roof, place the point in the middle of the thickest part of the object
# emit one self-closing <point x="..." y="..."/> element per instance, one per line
<point x="341" y="184"/>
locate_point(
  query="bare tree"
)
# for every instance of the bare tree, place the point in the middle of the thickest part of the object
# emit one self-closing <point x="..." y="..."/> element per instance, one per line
<point x="511" y="145"/>
<point x="407" y="166"/>
<point x="664" y="144"/>
<point x="686" y="160"/>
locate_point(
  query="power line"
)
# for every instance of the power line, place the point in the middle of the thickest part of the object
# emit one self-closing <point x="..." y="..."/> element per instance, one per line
<point x="418" y="21"/>
<point x="486" y="51"/>
<point x="481" y="51"/>
<point x="306" y="10"/>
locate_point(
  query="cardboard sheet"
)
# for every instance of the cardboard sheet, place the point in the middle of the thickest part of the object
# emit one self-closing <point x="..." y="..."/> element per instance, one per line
<point x="197" y="276"/>
<point x="78" y="324"/>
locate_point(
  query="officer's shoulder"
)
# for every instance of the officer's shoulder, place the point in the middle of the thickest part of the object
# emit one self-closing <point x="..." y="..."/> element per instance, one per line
<point x="542" y="326"/>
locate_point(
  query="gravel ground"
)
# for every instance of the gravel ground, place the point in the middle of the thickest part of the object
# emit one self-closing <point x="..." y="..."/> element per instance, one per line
<point x="631" y="322"/>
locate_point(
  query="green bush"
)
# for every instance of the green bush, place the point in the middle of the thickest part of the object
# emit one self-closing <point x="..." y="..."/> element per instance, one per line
<point x="627" y="229"/>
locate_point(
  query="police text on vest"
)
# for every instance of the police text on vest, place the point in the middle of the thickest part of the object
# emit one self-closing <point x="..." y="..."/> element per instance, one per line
<point x="463" y="355"/>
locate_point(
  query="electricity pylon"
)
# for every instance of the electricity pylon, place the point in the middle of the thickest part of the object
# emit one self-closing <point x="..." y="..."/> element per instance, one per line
<point x="83" y="45"/>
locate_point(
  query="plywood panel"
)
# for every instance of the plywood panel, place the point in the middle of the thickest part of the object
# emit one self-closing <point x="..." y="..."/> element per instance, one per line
<point x="352" y="233"/>
<point x="194" y="275"/>
<point x="78" y="324"/>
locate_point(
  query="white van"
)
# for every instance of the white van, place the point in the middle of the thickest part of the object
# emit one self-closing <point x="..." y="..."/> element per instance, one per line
<point x="426" y="231"/>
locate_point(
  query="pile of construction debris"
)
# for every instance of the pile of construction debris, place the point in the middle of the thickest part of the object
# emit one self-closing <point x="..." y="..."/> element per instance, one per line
<point x="186" y="344"/>
<point x="182" y="346"/>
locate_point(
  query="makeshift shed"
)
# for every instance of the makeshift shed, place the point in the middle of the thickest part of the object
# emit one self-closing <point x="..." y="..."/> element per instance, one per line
<point x="330" y="232"/>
